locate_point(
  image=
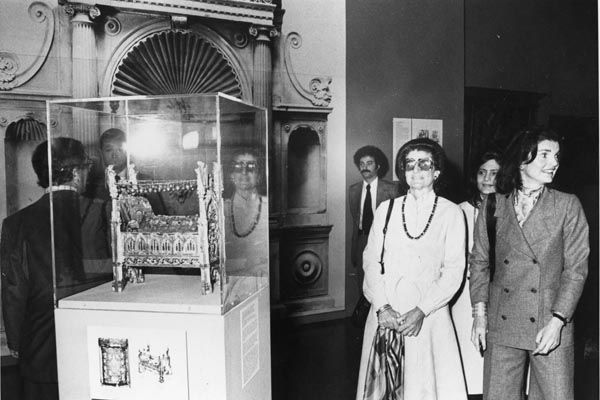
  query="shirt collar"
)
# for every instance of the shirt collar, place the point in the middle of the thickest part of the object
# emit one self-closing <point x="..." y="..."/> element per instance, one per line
<point x="373" y="184"/>
<point x="534" y="195"/>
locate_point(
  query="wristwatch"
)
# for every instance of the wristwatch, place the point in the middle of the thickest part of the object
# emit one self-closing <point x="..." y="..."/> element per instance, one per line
<point x="560" y="317"/>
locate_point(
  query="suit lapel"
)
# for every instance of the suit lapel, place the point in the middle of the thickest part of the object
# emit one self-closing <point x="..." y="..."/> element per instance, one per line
<point x="538" y="223"/>
<point x="508" y="227"/>
<point x="385" y="191"/>
<point x="381" y="193"/>
<point x="355" y="191"/>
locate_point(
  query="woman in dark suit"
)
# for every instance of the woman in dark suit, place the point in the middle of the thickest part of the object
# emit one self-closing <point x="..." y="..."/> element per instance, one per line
<point x="524" y="298"/>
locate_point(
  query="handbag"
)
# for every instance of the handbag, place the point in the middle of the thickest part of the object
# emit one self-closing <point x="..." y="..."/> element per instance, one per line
<point x="490" y="222"/>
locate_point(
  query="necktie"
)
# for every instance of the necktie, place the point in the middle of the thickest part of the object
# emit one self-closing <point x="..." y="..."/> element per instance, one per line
<point x="367" y="218"/>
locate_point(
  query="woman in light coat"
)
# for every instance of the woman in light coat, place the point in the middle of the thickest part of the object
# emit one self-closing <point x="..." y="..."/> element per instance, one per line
<point x="424" y="263"/>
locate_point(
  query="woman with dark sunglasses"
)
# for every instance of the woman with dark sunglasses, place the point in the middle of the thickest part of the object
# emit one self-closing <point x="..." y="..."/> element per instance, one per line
<point x="246" y="225"/>
<point x="411" y="275"/>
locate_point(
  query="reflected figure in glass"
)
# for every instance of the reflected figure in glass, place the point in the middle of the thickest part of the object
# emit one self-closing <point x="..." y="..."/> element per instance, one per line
<point x="246" y="220"/>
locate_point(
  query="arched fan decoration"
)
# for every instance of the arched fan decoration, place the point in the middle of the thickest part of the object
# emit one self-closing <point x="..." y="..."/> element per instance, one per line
<point x="175" y="62"/>
<point x="26" y="129"/>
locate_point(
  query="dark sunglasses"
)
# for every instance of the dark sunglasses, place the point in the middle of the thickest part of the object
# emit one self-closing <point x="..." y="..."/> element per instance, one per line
<point x="425" y="164"/>
<point x="244" y="167"/>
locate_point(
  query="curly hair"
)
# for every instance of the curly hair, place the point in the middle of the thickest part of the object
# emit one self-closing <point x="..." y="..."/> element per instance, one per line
<point x="423" y="144"/>
<point x="521" y="150"/>
<point x="380" y="159"/>
<point x="67" y="154"/>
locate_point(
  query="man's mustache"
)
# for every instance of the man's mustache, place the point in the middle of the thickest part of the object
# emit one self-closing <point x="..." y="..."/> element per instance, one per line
<point x="365" y="170"/>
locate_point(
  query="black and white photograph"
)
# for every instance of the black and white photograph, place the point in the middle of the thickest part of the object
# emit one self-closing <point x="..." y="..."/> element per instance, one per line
<point x="299" y="199"/>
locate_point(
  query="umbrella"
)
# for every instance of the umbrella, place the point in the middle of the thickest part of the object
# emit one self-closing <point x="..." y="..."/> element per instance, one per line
<point x="384" y="380"/>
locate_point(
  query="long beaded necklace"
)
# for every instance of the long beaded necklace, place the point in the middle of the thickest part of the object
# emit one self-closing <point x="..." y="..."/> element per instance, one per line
<point x="254" y="223"/>
<point x="428" y="221"/>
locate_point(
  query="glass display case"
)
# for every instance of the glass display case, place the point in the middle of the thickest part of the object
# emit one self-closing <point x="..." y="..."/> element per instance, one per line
<point x="177" y="188"/>
<point x="160" y="247"/>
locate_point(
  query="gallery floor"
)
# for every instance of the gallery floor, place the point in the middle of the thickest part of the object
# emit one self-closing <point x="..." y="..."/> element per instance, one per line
<point x="320" y="361"/>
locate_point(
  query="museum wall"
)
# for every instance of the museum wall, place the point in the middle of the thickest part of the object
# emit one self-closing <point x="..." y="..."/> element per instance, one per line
<point x="321" y="25"/>
<point x="539" y="46"/>
<point x="404" y="59"/>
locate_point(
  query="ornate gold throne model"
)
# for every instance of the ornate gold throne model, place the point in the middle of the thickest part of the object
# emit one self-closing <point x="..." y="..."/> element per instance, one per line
<point x="140" y="238"/>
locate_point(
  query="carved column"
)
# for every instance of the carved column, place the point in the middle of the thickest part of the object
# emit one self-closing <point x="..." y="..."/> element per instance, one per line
<point x="262" y="88"/>
<point x="85" y="76"/>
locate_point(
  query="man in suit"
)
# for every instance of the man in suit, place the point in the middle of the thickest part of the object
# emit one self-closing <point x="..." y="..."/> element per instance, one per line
<point x="365" y="196"/>
<point x="523" y="303"/>
<point x="26" y="263"/>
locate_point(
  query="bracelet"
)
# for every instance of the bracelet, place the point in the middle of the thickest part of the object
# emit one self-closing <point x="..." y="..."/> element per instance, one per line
<point x="383" y="308"/>
<point x="480" y="309"/>
<point x="560" y="317"/>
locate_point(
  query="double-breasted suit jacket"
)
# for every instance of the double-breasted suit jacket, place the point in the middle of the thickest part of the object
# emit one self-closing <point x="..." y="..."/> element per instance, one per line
<point x="540" y="268"/>
<point x="385" y="190"/>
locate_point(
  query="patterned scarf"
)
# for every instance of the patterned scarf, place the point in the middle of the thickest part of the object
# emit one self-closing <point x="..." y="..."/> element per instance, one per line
<point x="524" y="203"/>
<point x="385" y="378"/>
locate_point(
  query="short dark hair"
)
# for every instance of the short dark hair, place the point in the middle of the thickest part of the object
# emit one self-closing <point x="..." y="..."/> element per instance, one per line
<point x="67" y="154"/>
<point x="521" y="150"/>
<point x="423" y="144"/>
<point x="380" y="159"/>
<point x="111" y="135"/>
<point x="486" y="156"/>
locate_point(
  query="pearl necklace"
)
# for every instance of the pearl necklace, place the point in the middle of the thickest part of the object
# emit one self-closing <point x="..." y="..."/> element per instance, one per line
<point x="428" y="221"/>
<point x="254" y="223"/>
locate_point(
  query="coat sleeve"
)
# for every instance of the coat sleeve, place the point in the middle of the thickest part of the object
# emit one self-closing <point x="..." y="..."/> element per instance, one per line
<point x="441" y="291"/>
<point x="374" y="284"/>
<point x="479" y="262"/>
<point x="575" y="253"/>
<point x="15" y="282"/>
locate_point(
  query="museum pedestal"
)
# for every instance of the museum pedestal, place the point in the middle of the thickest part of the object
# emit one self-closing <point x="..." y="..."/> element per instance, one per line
<point x="160" y="339"/>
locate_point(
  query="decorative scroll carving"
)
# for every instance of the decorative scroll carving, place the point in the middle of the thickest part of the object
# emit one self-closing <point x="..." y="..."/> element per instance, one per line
<point x="270" y="32"/>
<point x="175" y="62"/>
<point x="8" y="67"/>
<point x="318" y="92"/>
<point x="72" y="9"/>
<point x="240" y="40"/>
<point x="10" y="77"/>
<point x="112" y="26"/>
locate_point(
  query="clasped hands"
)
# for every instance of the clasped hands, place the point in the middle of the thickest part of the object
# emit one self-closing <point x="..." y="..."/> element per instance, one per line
<point x="407" y="324"/>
